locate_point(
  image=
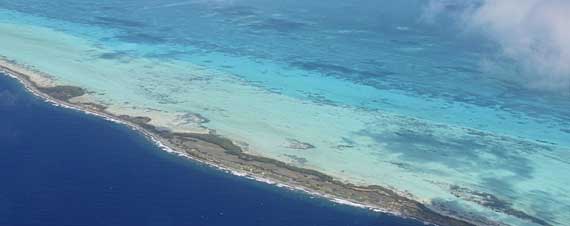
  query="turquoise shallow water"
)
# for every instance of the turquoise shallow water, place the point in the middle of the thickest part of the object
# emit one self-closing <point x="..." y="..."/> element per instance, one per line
<point x="68" y="176"/>
<point x="385" y="98"/>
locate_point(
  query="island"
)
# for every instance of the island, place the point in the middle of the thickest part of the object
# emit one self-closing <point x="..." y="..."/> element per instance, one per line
<point x="224" y="154"/>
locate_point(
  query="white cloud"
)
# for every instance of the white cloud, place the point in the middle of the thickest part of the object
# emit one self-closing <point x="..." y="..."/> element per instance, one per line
<point x="534" y="33"/>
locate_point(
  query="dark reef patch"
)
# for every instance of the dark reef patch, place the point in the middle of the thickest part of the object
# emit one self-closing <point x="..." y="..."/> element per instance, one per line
<point x="502" y="186"/>
<point x="461" y="153"/>
<point x="322" y="67"/>
<point x="114" y="55"/>
<point x="543" y="206"/>
<point x="340" y="71"/>
<point x="461" y="69"/>
<point x="237" y="11"/>
<point x="492" y="202"/>
<point x="143" y="38"/>
<point x="296" y="144"/>
<point x="117" y="22"/>
<point x="191" y="117"/>
<point x="297" y="159"/>
<point x="279" y="25"/>
<point x="456" y="209"/>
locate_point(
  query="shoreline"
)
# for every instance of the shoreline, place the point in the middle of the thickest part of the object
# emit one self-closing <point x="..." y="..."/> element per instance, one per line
<point x="221" y="153"/>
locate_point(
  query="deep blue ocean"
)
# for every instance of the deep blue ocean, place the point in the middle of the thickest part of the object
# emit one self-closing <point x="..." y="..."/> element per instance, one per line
<point x="64" y="168"/>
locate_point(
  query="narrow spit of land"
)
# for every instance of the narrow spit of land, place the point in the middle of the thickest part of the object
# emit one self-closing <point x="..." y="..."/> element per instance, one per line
<point x="222" y="153"/>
